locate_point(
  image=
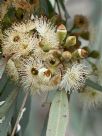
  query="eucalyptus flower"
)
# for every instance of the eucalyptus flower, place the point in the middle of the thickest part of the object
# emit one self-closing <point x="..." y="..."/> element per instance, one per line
<point x="27" y="46"/>
<point x="11" y="40"/>
<point x="18" y="44"/>
<point x="24" y="27"/>
<point x="34" y="76"/>
<point x="47" y="31"/>
<point x="75" y="77"/>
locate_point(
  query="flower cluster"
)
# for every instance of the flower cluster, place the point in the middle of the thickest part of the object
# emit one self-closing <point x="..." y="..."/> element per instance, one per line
<point x="43" y="56"/>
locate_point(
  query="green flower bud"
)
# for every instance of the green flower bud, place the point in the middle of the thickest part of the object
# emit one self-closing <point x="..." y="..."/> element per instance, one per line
<point x="66" y="55"/>
<point x="80" y="53"/>
<point x="70" y="41"/>
<point x="62" y="32"/>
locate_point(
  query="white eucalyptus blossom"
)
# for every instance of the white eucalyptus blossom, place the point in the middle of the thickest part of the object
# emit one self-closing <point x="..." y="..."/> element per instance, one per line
<point x="28" y="45"/>
<point x="34" y="76"/>
<point x="47" y="31"/>
<point x="19" y="44"/>
<point x="24" y="27"/>
<point x="11" y="40"/>
<point x="75" y="77"/>
<point x="12" y="36"/>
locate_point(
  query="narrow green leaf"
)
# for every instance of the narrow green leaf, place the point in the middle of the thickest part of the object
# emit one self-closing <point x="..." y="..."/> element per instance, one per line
<point x="44" y="127"/>
<point x="3" y="62"/>
<point x="8" y="102"/>
<point x="93" y="85"/>
<point x="44" y="6"/>
<point x="59" y="115"/>
<point x="64" y="9"/>
<point x="50" y="8"/>
<point x="5" y="124"/>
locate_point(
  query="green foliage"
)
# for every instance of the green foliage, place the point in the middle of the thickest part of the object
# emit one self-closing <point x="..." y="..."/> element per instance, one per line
<point x="7" y="100"/>
<point x="93" y="85"/>
<point x="3" y="62"/>
<point x="46" y="8"/>
<point x="8" y="103"/>
<point x="64" y="8"/>
<point x="5" y="125"/>
<point x="8" y="18"/>
<point x="59" y="114"/>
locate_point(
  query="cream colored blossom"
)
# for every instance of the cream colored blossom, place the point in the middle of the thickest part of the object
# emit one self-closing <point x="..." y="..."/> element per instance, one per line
<point x="34" y="76"/>
<point x="28" y="45"/>
<point x="47" y="31"/>
<point x="19" y="44"/>
<point x="11" y="40"/>
<point x="24" y="27"/>
<point x="75" y="77"/>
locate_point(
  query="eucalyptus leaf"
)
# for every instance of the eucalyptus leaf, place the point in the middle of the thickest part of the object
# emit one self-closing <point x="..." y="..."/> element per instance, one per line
<point x="25" y="116"/>
<point x="3" y="62"/>
<point x="44" y="6"/>
<point x="47" y="8"/>
<point x="8" y="102"/>
<point x="45" y="127"/>
<point x="7" y="110"/>
<point x="93" y="85"/>
<point x="5" y="126"/>
<point x="51" y="11"/>
<point x="59" y="115"/>
<point x="64" y="8"/>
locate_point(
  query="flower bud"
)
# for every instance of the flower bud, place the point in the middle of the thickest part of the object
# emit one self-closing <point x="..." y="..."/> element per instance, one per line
<point x="62" y="32"/>
<point x="80" y="53"/>
<point x="67" y="55"/>
<point x="70" y="41"/>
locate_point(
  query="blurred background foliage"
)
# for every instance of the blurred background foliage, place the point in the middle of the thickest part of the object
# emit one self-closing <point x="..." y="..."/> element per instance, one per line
<point x="83" y="122"/>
